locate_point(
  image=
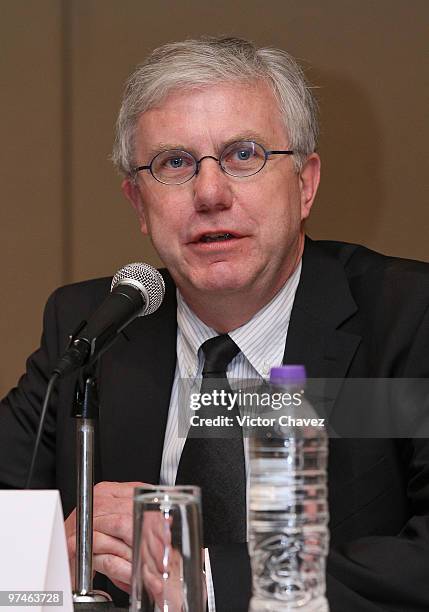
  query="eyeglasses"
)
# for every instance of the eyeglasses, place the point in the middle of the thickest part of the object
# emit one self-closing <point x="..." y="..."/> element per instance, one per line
<point x="240" y="159"/>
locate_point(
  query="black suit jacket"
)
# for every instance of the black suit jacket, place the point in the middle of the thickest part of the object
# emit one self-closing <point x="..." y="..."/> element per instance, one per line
<point x="356" y="314"/>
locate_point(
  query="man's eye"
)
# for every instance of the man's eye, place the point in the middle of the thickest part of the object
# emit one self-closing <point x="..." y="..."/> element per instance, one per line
<point x="243" y="154"/>
<point x="175" y="162"/>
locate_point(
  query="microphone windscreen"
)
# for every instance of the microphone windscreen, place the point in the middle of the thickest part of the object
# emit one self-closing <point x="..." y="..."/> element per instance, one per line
<point x="147" y="280"/>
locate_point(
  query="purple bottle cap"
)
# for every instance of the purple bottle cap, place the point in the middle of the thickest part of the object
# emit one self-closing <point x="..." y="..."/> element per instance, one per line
<point x="288" y="374"/>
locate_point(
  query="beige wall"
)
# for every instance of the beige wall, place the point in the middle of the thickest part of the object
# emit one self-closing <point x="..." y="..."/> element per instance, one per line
<point x="63" y="66"/>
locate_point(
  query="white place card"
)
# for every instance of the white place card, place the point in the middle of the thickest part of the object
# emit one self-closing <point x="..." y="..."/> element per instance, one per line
<point x="34" y="568"/>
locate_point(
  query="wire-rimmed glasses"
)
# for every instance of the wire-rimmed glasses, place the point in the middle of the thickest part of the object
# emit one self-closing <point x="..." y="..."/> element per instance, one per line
<point x="240" y="159"/>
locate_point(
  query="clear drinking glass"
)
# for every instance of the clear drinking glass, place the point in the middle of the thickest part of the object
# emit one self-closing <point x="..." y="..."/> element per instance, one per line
<point x="167" y="550"/>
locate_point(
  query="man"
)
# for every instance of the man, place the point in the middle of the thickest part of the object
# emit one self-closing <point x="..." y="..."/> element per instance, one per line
<point x="216" y="140"/>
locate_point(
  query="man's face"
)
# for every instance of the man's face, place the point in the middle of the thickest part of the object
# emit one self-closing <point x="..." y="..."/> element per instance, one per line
<point x="263" y="213"/>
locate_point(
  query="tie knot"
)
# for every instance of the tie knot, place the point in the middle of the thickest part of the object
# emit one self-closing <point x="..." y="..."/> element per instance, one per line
<point x="218" y="352"/>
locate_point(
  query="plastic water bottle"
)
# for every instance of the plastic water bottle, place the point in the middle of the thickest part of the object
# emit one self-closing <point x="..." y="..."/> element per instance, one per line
<point x="288" y="501"/>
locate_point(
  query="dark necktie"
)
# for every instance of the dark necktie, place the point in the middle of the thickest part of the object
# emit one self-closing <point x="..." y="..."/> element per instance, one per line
<point x="215" y="462"/>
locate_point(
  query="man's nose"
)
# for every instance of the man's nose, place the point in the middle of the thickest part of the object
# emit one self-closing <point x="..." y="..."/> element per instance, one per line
<point x="212" y="188"/>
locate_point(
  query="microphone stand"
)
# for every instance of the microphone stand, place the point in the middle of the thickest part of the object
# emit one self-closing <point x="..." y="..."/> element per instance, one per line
<point x="85" y="411"/>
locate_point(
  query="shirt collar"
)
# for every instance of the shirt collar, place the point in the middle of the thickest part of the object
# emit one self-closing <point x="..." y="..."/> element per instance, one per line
<point x="262" y="339"/>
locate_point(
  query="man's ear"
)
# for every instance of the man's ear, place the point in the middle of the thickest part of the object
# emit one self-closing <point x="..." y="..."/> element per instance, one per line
<point x="309" y="178"/>
<point x="132" y="193"/>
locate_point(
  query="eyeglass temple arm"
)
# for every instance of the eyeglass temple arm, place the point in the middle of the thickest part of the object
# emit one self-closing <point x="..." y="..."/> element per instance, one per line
<point x="279" y="152"/>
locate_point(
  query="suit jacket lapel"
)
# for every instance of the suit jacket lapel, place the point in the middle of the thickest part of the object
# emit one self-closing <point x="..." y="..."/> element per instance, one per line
<point x="135" y="380"/>
<point x="323" y="303"/>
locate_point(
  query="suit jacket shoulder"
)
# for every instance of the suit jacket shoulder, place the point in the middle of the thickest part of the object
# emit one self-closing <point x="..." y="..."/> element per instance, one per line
<point x="359" y="260"/>
<point x="390" y="297"/>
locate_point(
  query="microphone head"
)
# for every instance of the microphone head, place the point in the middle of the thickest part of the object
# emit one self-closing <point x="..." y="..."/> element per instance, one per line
<point x="147" y="280"/>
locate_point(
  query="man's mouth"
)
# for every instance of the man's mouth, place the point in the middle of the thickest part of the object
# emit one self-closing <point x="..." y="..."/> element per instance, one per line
<point x="221" y="237"/>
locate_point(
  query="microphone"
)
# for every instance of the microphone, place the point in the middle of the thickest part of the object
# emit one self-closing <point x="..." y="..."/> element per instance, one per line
<point x="137" y="290"/>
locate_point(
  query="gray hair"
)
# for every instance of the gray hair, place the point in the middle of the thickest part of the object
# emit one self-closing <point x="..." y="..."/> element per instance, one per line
<point x="209" y="60"/>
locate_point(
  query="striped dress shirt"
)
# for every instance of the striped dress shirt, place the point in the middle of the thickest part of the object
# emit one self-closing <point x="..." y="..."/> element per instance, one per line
<point x="261" y="342"/>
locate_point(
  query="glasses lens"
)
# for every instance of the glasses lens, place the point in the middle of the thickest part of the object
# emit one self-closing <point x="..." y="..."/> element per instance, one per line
<point x="243" y="158"/>
<point x="173" y="167"/>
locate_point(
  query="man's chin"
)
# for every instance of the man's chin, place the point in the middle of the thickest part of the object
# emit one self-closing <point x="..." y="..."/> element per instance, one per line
<point x="219" y="284"/>
<point x="216" y="279"/>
